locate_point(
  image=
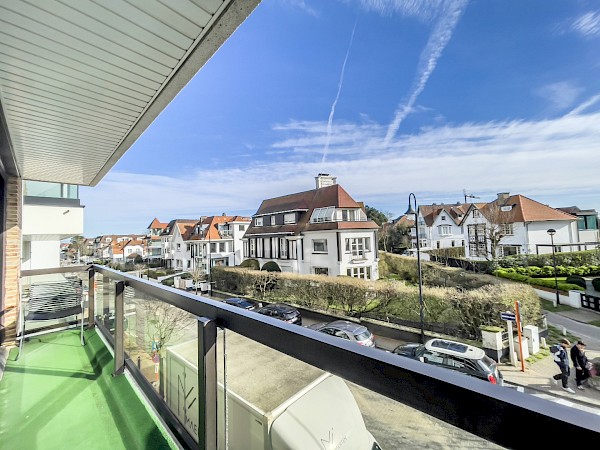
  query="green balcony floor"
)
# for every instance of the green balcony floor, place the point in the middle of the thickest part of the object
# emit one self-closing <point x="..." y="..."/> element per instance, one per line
<point x="60" y="395"/>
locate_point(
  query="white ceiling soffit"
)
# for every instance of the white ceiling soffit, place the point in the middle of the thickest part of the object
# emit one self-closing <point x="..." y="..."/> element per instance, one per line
<point x="80" y="80"/>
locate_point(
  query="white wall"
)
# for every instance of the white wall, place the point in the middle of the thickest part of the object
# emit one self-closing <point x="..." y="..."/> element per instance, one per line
<point x="538" y="234"/>
<point x="64" y="221"/>
<point x="41" y="254"/>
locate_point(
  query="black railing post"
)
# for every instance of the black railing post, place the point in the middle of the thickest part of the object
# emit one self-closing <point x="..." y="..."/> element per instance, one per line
<point x="91" y="297"/>
<point x="119" y="327"/>
<point x="207" y="384"/>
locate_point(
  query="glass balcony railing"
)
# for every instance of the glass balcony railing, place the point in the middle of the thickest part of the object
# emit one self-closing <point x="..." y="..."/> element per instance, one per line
<point x="50" y="190"/>
<point x="224" y="377"/>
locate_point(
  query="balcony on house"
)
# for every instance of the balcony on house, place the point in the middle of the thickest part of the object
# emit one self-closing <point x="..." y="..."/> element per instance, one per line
<point x="163" y="368"/>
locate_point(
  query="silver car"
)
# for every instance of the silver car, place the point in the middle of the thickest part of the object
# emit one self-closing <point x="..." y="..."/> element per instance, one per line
<point x="346" y="330"/>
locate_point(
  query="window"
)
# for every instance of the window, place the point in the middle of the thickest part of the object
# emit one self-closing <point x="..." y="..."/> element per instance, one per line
<point x="259" y="247"/>
<point x="289" y="218"/>
<point x="178" y="246"/>
<point x="322" y="214"/>
<point x="258" y="221"/>
<point x="508" y="250"/>
<point x="252" y="247"/>
<point x="272" y="220"/>
<point x="444" y="230"/>
<point x="321" y="271"/>
<point x="293" y="249"/>
<point x="443" y="217"/>
<point x="358" y="246"/>
<point x="359" y="272"/>
<point x="506" y="229"/>
<point x="222" y="247"/>
<point x="283" y="248"/>
<point x="319" y="245"/>
<point x="476" y="214"/>
<point x="242" y="227"/>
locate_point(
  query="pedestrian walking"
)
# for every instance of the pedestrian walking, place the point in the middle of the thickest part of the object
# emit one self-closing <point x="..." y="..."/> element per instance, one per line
<point x="561" y="358"/>
<point x="580" y="363"/>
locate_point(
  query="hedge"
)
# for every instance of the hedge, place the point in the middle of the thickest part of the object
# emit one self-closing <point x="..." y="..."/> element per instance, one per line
<point x="467" y="309"/>
<point x="575" y="259"/>
<point x="548" y="271"/>
<point x="250" y="264"/>
<point x="578" y="280"/>
<point x="596" y="284"/>
<point x="512" y="275"/>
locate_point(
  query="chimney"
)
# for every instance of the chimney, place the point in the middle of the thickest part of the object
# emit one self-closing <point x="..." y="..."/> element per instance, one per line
<point x="503" y="196"/>
<point x="324" y="180"/>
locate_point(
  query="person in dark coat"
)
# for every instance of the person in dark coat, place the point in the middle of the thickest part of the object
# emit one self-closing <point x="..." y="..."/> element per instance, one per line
<point x="561" y="358"/>
<point x="579" y="359"/>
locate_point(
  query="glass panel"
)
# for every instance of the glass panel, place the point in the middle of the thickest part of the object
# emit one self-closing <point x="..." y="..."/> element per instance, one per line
<point x="271" y="400"/>
<point x="41" y="189"/>
<point x="152" y="327"/>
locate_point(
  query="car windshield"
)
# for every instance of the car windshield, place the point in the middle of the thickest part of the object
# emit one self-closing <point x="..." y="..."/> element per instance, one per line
<point x="364" y="336"/>
<point x="289" y="315"/>
<point x="419" y="351"/>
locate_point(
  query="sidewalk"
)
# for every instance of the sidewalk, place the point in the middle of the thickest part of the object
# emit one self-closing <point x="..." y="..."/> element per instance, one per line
<point x="537" y="375"/>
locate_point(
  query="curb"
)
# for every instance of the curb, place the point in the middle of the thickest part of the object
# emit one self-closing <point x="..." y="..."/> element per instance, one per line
<point x="570" y="397"/>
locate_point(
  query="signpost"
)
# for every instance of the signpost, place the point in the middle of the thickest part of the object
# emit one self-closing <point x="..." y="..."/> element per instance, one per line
<point x="520" y="337"/>
<point x="510" y="317"/>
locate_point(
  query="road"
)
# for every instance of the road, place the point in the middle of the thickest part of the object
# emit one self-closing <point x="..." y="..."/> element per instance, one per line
<point x="588" y="333"/>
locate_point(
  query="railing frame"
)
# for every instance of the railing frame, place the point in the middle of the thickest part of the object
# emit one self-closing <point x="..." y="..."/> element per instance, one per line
<point x="488" y="411"/>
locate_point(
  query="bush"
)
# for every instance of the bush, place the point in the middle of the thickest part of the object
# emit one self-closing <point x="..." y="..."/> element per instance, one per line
<point x="467" y="309"/>
<point x="271" y="266"/>
<point x="168" y="282"/>
<point x="576" y="279"/>
<point x="503" y="273"/>
<point x="596" y="284"/>
<point x="250" y="264"/>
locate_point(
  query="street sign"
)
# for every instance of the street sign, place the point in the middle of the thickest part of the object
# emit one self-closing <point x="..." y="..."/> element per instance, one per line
<point x="508" y="315"/>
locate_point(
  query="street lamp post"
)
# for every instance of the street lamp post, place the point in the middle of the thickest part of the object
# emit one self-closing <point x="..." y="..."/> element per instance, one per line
<point x="415" y="212"/>
<point x="552" y="232"/>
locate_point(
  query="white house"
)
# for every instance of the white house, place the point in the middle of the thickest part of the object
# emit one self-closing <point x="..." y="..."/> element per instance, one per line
<point x="440" y="226"/>
<point x="515" y="224"/>
<point x="153" y="240"/>
<point x="322" y="231"/>
<point x="216" y="241"/>
<point x="174" y="251"/>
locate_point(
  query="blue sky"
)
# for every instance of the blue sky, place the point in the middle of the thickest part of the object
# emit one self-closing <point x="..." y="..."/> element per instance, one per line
<point x="391" y="97"/>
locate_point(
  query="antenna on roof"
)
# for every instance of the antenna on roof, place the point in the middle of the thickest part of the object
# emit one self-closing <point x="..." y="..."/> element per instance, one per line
<point x="468" y="195"/>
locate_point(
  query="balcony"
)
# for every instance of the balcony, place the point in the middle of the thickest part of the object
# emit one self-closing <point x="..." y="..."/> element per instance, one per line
<point x="202" y="364"/>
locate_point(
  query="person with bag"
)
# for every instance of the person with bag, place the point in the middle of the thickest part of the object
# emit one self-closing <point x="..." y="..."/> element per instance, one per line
<point x="561" y="358"/>
<point x="580" y="363"/>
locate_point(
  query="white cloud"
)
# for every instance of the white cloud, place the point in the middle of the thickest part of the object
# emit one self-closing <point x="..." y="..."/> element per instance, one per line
<point x="560" y="95"/>
<point x="301" y="5"/>
<point x="450" y="14"/>
<point x="587" y="25"/>
<point x="555" y="159"/>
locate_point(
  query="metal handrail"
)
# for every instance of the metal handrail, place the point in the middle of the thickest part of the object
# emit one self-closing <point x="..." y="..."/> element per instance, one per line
<point x="476" y="406"/>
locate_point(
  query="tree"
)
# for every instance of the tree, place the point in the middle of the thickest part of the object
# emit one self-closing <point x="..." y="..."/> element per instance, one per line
<point x="164" y="322"/>
<point x="198" y="274"/>
<point x="377" y="216"/>
<point x="394" y="237"/>
<point x="486" y="234"/>
<point x="78" y="246"/>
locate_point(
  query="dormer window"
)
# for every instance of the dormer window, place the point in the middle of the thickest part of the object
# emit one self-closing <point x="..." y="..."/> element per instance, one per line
<point x="258" y="221"/>
<point x="322" y="214"/>
<point x="272" y="220"/>
<point x="443" y="217"/>
<point x="476" y="214"/>
<point x="289" y="218"/>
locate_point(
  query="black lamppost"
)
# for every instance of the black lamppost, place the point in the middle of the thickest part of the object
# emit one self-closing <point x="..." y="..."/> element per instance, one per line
<point x="415" y="212"/>
<point x="552" y="232"/>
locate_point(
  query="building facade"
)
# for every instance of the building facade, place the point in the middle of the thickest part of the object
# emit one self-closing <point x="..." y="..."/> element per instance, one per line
<point x="323" y="231"/>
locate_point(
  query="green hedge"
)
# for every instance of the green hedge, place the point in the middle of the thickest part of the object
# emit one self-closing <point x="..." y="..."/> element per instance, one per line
<point x="271" y="266"/>
<point x="467" y="309"/>
<point x="596" y="284"/>
<point x="574" y="259"/>
<point x="512" y="275"/>
<point x="548" y="271"/>
<point x="578" y="280"/>
<point x="250" y="264"/>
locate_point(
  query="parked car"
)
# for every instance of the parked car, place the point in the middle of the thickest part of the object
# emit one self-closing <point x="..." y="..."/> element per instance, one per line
<point x="346" y="330"/>
<point x="245" y="303"/>
<point x="283" y="312"/>
<point x="454" y="355"/>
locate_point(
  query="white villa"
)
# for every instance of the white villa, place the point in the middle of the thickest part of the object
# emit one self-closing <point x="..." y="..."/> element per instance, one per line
<point x="323" y="231"/>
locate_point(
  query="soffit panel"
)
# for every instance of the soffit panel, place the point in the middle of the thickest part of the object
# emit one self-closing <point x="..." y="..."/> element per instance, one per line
<point x="80" y="80"/>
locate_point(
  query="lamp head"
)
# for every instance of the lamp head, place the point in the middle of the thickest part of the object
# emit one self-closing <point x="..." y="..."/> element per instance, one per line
<point x="551" y="231"/>
<point x="410" y="211"/>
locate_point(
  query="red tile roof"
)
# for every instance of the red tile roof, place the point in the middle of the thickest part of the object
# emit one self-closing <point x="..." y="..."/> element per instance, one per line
<point x="523" y="209"/>
<point x="156" y="224"/>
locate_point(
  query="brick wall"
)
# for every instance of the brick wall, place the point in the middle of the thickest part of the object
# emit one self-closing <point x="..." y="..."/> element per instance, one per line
<point x="12" y="257"/>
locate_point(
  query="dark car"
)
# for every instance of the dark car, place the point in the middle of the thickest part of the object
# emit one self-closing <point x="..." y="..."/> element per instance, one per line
<point x="244" y="303"/>
<point x="283" y="312"/>
<point x="454" y="355"/>
<point x="346" y="330"/>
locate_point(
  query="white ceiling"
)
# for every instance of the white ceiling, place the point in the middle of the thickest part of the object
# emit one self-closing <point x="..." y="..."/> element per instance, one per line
<point x="80" y="80"/>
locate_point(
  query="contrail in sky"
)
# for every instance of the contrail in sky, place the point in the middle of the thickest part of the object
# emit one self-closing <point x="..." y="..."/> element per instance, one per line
<point x="442" y="32"/>
<point x="340" y="83"/>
